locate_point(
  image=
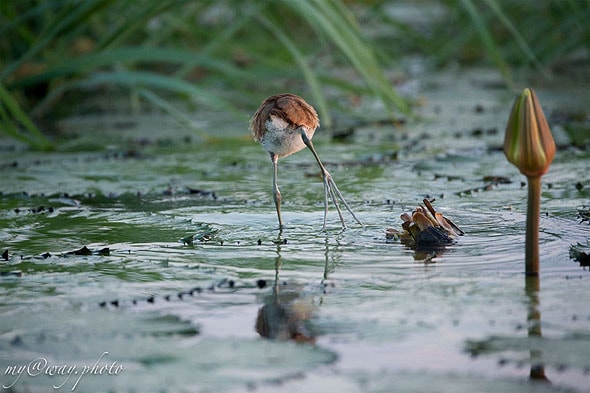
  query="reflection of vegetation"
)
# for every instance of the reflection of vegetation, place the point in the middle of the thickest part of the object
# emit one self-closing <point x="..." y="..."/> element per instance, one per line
<point x="538" y="347"/>
<point x="532" y="289"/>
<point x="227" y="54"/>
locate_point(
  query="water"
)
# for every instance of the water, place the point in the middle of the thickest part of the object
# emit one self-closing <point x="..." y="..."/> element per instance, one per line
<point x="347" y="310"/>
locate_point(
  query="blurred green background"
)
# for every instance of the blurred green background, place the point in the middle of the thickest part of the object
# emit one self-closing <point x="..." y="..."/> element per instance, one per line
<point x="229" y="54"/>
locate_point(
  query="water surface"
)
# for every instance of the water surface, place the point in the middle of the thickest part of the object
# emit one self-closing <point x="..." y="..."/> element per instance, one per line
<point x="344" y="310"/>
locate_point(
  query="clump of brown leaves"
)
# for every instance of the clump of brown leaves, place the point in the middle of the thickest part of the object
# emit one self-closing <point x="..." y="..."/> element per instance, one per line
<point x="425" y="227"/>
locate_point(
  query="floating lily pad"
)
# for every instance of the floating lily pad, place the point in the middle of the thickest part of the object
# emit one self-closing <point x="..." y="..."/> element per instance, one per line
<point x="155" y="354"/>
<point x="558" y="353"/>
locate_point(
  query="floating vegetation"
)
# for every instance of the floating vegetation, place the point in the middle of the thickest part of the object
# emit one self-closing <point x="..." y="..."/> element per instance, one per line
<point x="206" y="233"/>
<point x="581" y="253"/>
<point x="584" y="214"/>
<point x="223" y="284"/>
<point x="425" y="228"/>
<point x="83" y="251"/>
<point x="86" y="251"/>
<point x="490" y="182"/>
<point x="28" y="264"/>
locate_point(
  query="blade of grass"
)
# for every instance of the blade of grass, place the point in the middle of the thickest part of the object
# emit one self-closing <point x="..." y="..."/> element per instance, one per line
<point x="17" y="20"/>
<point x="11" y="111"/>
<point x="516" y="35"/>
<point x="308" y="74"/>
<point x="82" y="11"/>
<point x="140" y="19"/>
<point x="138" y="79"/>
<point x="171" y="110"/>
<point x="221" y="38"/>
<point x="488" y="41"/>
<point x="362" y="55"/>
<point x="347" y="38"/>
<point x="95" y="61"/>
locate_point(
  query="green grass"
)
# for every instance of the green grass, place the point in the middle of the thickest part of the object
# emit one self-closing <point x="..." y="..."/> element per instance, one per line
<point x="15" y="123"/>
<point x="227" y="55"/>
<point x="211" y="53"/>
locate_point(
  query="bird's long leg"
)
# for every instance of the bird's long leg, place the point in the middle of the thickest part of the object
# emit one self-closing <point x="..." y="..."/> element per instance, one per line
<point x="275" y="187"/>
<point x="327" y="180"/>
<point x="336" y="194"/>
<point x="326" y="191"/>
<point x="329" y="185"/>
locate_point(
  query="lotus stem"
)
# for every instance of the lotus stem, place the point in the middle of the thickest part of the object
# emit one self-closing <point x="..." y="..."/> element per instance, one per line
<point x="532" y="226"/>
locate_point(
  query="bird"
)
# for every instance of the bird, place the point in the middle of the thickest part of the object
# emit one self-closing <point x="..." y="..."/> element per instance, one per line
<point x="285" y="124"/>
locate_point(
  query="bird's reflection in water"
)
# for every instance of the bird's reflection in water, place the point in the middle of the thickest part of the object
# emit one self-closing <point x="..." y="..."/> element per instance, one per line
<point x="285" y="316"/>
<point x="287" y="311"/>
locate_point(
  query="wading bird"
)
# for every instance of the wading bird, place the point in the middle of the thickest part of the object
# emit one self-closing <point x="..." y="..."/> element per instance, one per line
<point x="284" y="124"/>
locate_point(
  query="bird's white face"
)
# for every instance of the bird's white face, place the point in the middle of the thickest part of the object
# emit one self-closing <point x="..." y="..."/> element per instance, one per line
<point x="281" y="138"/>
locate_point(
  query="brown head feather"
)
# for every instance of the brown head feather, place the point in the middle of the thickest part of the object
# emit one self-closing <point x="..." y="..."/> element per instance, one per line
<point x="289" y="107"/>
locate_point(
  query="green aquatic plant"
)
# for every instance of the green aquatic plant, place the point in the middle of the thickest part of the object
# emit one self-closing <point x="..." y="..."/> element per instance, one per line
<point x="211" y="55"/>
<point x="529" y="146"/>
<point x="554" y="38"/>
<point x="15" y="123"/>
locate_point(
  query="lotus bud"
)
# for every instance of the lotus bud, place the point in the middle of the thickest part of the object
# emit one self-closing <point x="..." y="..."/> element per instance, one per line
<point x="528" y="143"/>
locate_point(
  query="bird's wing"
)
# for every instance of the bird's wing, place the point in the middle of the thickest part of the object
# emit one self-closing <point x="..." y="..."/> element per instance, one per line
<point x="296" y="111"/>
